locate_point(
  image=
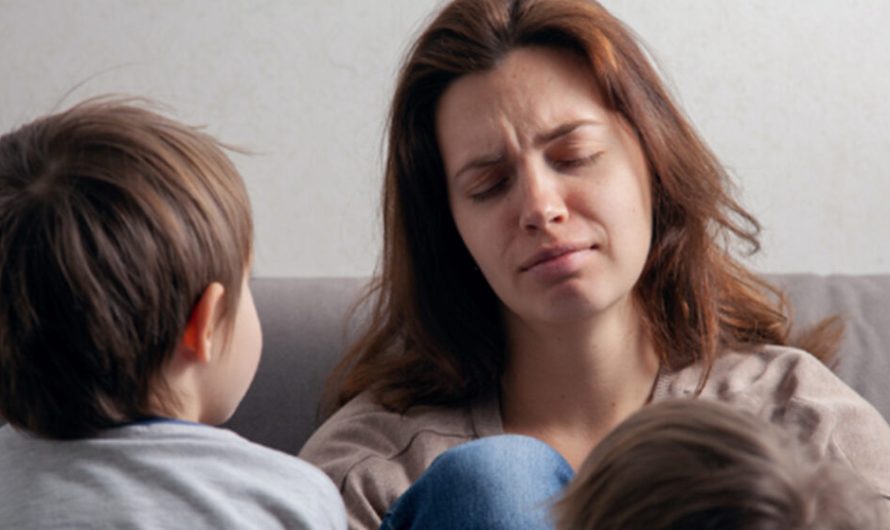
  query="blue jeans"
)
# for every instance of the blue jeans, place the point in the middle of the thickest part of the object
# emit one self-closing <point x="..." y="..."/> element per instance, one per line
<point x="499" y="482"/>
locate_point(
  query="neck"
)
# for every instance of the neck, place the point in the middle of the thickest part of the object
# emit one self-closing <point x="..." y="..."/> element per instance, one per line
<point x="569" y="384"/>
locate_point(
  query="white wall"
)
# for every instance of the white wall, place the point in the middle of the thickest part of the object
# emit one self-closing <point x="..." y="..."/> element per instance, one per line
<point x="792" y="95"/>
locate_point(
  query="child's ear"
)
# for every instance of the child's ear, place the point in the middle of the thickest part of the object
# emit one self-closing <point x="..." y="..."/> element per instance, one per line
<point x="197" y="340"/>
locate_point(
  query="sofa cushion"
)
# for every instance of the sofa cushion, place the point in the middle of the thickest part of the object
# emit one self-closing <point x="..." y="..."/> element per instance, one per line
<point x="305" y="333"/>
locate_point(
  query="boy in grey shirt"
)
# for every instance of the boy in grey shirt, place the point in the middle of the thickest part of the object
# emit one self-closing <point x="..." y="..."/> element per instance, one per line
<point x="127" y="330"/>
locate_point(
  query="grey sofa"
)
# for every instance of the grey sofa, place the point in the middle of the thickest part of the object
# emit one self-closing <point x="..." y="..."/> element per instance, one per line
<point x="305" y="333"/>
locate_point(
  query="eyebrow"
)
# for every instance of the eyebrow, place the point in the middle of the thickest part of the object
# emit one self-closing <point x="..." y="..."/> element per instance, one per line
<point x="543" y="138"/>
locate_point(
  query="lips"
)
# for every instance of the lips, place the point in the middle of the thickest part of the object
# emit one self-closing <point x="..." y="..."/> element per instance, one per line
<point x="551" y="253"/>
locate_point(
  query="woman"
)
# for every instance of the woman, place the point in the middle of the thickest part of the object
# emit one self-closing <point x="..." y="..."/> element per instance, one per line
<point x="557" y="253"/>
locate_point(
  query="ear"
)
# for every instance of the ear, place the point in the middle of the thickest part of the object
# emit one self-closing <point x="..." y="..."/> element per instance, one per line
<point x="199" y="335"/>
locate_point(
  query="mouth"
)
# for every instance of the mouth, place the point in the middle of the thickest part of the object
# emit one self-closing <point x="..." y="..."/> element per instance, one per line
<point x="553" y="253"/>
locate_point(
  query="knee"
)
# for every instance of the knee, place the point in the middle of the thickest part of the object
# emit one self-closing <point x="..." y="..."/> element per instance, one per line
<point x="522" y="466"/>
<point x="499" y="482"/>
<point x="511" y="459"/>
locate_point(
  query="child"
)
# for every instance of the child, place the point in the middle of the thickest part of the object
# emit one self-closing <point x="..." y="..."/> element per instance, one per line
<point x="697" y="465"/>
<point x="127" y="329"/>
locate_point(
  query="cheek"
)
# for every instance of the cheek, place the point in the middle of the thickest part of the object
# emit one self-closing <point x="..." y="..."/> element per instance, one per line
<point x="637" y="224"/>
<point x="477" y="233"/>
<point x="468" y="236"/>
<point x="251" y="329"/>
<point x="257" y="337"/>
<point x="643" y="208"/>
<point x="251" y="348"/>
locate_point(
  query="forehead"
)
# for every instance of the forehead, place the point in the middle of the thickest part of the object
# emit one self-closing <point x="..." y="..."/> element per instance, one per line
<point x="532" y="90"/>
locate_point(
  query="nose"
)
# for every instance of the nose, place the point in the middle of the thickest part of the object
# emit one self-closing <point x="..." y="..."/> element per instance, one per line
<point x="542" y="202"/>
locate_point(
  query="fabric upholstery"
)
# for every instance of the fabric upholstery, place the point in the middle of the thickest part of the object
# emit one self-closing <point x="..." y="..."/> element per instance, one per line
<point x="305" y="333"/>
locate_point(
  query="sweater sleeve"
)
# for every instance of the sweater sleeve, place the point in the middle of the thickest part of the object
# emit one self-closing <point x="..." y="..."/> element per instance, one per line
<point x="373" y="455"/>
<point x="792" y="388"/>
<point x="353" y="449"/>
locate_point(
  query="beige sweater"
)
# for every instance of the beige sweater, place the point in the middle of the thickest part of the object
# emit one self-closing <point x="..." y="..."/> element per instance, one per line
<point x="374" y="455"/>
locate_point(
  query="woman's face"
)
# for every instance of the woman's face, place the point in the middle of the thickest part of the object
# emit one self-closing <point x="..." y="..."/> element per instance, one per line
<point x="548" y="189"/>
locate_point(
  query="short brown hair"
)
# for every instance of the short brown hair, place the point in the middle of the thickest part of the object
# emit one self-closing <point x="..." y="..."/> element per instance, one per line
<point x="113" y="221"/>
<point x="435" y="334"/>
<point x="690" y="464"/>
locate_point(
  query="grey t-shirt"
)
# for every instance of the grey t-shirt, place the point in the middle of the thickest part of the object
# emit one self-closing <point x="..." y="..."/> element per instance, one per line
<point x="160" y="474"/>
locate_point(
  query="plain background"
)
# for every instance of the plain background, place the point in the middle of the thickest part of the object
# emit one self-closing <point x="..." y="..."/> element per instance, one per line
<point x="792" y="95"/>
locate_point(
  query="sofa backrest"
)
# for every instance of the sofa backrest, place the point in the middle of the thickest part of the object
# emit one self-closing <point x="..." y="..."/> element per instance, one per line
<point x="305" y="333"/>
<point x="863" y="302"/>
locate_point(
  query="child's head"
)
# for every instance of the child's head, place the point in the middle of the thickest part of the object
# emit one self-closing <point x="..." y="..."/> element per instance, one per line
<point x="698" y="465"/>
<point x="116" y="224"/>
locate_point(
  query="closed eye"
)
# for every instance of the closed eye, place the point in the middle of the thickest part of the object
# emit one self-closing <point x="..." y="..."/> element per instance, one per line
<point x="572" y="163"/>
<point x="491" y="190"/>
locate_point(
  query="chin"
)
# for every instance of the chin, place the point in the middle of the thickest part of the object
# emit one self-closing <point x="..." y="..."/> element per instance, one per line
<point x="568" y="313"/>
<point x="570" y="303"/>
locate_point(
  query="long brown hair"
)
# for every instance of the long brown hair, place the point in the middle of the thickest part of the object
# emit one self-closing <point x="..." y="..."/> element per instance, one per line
<point x="435" y="334"/>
